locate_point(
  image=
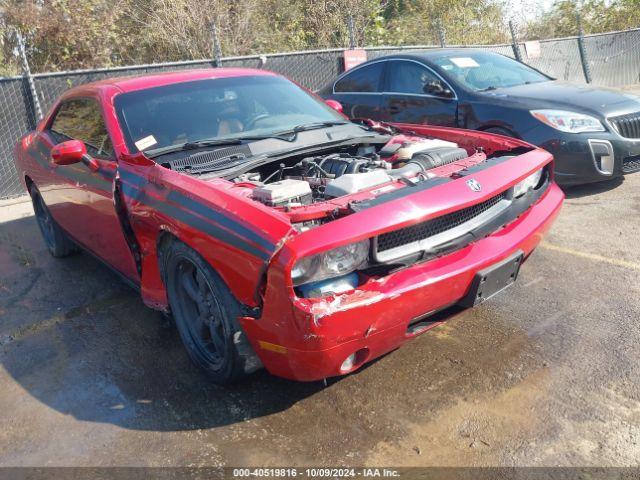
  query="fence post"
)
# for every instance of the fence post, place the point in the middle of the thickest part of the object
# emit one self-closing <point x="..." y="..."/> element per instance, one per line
<point x="514" y="42"/>
<point x="27" y="73"/>
<point x="217" y="52"/>
<point x="352" y="33"/>
<point x="583" y="52"/>
<point x="441" y="33"/>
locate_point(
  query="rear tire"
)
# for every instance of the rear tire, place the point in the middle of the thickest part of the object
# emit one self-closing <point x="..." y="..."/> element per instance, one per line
<point x="206" y="315"/>
<point x="56" y="241"/>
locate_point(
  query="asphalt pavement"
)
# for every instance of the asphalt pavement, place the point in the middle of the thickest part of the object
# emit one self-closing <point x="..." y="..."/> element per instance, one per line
<point x="545" y="374"/>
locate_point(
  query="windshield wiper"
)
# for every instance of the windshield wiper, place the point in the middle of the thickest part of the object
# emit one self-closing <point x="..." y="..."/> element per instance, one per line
<point x="488" y="89"/>
<point x="286" y="136"/>
<point x="309" y="126"/>
<point x="215" y="142"/>
<point x="156" y="152"/>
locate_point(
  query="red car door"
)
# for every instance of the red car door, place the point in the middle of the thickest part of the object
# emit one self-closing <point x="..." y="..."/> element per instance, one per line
<point x="80" y="197"/>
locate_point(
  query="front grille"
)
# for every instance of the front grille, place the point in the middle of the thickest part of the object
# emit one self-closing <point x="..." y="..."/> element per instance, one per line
<point x="435" y="226"/>
<point x="631" y="164"/>
<point x="628" y="125"/>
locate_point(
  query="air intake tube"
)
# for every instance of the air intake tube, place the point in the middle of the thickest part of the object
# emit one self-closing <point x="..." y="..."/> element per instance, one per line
<point x="421" y="162"/>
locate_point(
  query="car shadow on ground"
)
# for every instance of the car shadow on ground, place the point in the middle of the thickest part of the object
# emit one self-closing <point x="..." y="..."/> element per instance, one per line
<point x="81" y="342"/>
<point x="586" y="190"/>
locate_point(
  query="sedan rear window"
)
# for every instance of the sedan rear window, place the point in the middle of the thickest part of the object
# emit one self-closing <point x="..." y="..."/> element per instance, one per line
<point x="361" y="79"/>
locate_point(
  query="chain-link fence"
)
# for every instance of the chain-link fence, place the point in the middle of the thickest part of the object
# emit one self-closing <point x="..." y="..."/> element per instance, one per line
<point x="612" y="59"/>
<point x="16" y="118"/>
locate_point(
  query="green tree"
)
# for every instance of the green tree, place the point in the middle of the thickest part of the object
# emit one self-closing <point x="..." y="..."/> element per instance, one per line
<point x="72" y="34"/>
<point x="465" y="22"/>
<point x="597" y="16"/>
<point x="64" y="34"/>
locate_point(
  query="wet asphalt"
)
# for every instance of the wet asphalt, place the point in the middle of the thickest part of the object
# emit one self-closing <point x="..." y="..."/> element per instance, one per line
<point x="545" y="374"/>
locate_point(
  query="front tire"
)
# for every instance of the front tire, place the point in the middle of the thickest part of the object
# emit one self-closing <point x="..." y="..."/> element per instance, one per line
<point x="57" y="242"/>
<point x="206" y="315"/>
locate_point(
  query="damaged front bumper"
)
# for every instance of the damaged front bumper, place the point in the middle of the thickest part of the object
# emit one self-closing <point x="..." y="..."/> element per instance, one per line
<point x="311" y="339"/>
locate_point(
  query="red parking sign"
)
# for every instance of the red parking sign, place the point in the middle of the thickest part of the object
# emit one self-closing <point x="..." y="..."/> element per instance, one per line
<point x="353" y="58"/>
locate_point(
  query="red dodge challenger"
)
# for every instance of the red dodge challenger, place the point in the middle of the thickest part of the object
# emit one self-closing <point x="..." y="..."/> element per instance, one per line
<point x="276" y="232"/>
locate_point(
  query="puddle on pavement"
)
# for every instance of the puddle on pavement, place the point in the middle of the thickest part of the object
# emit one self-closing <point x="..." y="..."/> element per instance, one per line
<point x="471" y="432"/>
<point x="469" y="380"/>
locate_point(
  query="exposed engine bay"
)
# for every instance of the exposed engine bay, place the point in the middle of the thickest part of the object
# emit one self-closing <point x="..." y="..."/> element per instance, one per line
<point x="316" y="185"/>
<point x="298" y="182"/>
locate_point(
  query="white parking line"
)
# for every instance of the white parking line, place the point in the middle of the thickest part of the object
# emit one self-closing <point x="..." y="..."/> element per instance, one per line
<point x="591" y="256"/>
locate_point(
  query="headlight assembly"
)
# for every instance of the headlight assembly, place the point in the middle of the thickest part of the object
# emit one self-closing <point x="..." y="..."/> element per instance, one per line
<point x="332" y="263"/>
<point x="527" y="184"/>
<point x="570" y="122"/>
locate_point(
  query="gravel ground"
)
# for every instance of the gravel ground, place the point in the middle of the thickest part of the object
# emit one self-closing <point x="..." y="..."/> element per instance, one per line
<point x="544" y="374"/>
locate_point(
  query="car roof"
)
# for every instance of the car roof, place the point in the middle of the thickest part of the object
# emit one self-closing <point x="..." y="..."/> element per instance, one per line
<point x="424" y="56"/>
<point x="141" y="82"/>
<point x="431" y="53"/>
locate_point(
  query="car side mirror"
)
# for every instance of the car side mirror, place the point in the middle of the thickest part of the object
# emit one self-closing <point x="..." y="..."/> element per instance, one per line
<point x="436" y="88"/>
<point x="69" y="152"/>
<point x="336" y="105"/>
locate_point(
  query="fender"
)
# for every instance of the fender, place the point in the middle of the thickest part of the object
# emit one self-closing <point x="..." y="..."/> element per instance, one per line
<point x="206" y="216"/>
<point x="498" y="126"/>
<point x="480" y="116"/>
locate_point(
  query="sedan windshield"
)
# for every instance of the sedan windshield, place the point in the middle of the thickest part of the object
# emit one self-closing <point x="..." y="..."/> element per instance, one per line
<point x="221" y="109"/>
<point x="481" y="71"/>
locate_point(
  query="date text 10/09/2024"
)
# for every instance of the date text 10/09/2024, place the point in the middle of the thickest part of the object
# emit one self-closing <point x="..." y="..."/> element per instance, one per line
<point x="315" y="472"/>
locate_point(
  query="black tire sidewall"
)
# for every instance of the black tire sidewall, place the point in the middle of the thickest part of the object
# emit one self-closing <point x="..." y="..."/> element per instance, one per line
<point x="58" y="244"/>
<point x="232" y="367"/>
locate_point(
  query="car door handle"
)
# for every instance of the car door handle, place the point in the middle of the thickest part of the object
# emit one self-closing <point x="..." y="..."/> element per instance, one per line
<point x="394" y="109"/>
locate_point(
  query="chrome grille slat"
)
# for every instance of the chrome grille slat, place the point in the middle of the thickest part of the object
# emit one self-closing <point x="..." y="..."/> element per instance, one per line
<point x="628" y="126"/>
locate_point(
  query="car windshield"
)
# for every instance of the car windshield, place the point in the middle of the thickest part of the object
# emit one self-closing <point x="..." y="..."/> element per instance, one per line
<point x="217" y="110"/>
<point x="481" y="71"/>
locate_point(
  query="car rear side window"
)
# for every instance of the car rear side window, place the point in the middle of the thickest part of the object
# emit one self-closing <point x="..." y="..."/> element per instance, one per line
<point x="409" y="77"/>
<point x="81" y="119"/>
<point x="362" y="79"/>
